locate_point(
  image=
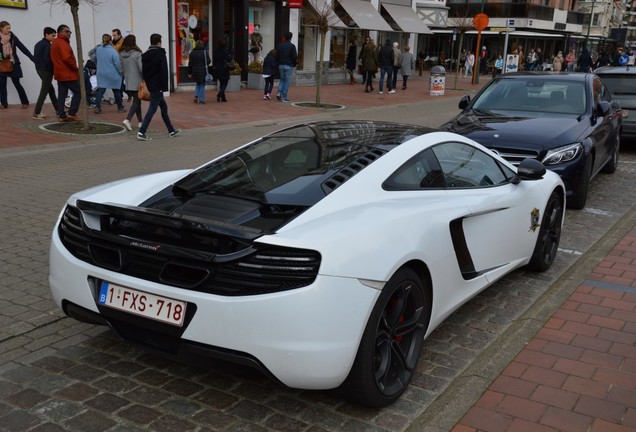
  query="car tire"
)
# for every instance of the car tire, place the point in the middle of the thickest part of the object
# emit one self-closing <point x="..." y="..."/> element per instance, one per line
<point x="578" y="201"/>
<point x="391" y="343"/>
<point x="612" y="164"/>
<point x="549" y="235"/>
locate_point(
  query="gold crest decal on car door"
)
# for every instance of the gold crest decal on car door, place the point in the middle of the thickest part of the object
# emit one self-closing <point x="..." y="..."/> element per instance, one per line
<point x="534" y="219"/>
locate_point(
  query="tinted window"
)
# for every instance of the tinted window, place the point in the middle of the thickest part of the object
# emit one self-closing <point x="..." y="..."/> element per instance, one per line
<point x="449" y="165"/>
<point x="465" y="166"/>
<point x="537" y="95"/>
<point x="620" y="84"/>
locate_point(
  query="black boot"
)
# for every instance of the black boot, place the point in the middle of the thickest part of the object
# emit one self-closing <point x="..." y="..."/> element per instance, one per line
<point x="218" y="97"/>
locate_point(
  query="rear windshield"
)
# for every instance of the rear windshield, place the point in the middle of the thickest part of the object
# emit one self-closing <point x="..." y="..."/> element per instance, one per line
<point x="620" y="84"/>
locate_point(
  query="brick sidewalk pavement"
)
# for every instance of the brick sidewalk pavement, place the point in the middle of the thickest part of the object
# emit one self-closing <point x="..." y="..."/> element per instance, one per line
<point x="579" y="372"/>
<point x="18" y="129"/>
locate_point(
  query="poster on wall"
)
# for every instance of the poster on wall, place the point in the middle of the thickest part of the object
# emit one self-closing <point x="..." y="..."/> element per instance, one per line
<point x="185" y="43"/>
<point x="512" y="64"/>
<point x="17" y="4"/>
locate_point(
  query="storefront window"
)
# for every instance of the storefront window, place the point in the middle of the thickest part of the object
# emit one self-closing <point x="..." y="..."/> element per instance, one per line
<point x="261" y="29"/>
<point x="193" y="21"/>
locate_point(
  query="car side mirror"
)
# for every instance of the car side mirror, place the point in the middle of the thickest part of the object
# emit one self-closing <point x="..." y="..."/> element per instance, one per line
<point x="530" y="169"/>
<point x="463" y="103"/>
<point x="603" y="108"/>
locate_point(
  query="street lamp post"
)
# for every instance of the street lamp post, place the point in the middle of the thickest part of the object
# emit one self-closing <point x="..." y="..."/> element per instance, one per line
<point x="589" y="25"/>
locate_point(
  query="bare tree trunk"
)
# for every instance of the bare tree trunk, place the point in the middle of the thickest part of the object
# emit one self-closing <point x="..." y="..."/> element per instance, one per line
<point x="323" y="36"/>
<point x="80" y="60"/>
<point x="459" y="54"/>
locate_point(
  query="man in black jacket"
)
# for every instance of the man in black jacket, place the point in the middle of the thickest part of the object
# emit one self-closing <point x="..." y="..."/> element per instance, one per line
<point x="386" y="57"/>
<point x="44" y="68"/>
<point x="287" y="60"/>
<point x="154" y="70"/>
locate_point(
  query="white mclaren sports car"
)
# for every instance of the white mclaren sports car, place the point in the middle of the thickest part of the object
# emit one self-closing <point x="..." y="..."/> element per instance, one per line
<point x="322" y="254"/>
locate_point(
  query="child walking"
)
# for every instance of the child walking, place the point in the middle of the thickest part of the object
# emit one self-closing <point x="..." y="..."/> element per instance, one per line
<point x="270" y="66"/>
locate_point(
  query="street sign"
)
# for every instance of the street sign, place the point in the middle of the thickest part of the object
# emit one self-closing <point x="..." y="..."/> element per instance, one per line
<point x="480" y="22"/>
<point x="502" y="29"/>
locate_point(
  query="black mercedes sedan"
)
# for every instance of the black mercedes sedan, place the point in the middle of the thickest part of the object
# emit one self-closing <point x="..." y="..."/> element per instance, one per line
<point x="568" y="121"/>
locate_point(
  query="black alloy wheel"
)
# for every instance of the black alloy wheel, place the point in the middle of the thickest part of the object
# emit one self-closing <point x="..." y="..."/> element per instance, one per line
<point x="549" y="236"/>
<point x="391" y="344"/>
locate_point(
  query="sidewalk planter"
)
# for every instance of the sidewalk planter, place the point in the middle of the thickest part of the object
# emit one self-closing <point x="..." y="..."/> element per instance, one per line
<point x="255" y="81"/>
<point x="234" y="85"/>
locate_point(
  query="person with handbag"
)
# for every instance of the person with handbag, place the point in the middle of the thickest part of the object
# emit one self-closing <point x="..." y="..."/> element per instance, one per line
<point x="198" y="70"/>
<point x="130" y="55"/>
<point x="10" y="65"/>
<point x="154" y="71"/>
<point x="222" y="58"/>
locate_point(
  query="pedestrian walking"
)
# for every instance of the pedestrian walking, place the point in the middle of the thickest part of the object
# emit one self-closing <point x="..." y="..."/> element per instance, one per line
<point x="585" y="61"/>
<point x="220" y="59"/>
<point x="351" y="62"/>
<point x="557" y="62"/>
<point x="66" y="73"/>
<point x="109" y="73"/>
<point x="369" y="58"/>
<point x="470" y="63"/>
<point x="270" y="67"/>
<point x="10" y="45"/>
<point x="287" y="60"/>
<point x="385" y="58"/>
<point x="198" y="70"/>
<point x="406" y="65"/>
<point x="130" y="55"/>
<point x="397" y="55"/>
<point x="154" y="66"/>
<point x="44" y="69"/>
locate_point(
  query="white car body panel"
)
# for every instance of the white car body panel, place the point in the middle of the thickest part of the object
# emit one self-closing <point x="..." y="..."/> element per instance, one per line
<point x="308" y="337"/>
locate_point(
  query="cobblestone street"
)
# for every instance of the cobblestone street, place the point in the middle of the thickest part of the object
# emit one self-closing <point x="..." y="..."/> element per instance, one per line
<point x="57" y="374"/>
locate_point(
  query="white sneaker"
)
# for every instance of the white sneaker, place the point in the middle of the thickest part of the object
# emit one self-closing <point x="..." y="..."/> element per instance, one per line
<point x="392" y="91"/>
<point x="127" y="124"/>
<point x="139" y="125"/>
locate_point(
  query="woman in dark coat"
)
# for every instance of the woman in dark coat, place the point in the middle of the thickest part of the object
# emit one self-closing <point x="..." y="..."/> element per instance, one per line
<point x="585" y="61"/>
<point x="219" y="58"/>
<point x="197" y="70"/>
<point x="8" y="48"/>
<point x="351" y="62"/>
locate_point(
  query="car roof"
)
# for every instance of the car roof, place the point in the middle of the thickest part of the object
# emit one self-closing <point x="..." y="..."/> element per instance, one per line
<point x="561" y="76"/>
<point x="615" y="70"/>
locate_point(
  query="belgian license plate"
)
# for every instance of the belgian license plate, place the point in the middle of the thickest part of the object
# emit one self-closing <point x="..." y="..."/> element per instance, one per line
<point x="144" y="304"/>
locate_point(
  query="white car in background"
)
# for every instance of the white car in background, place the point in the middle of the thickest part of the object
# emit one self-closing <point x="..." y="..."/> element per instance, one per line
<point x="322" y="254"/>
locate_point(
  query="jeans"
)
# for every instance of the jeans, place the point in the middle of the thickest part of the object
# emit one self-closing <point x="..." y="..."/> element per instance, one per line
<point x="135" y="107"/>
<point x="388" y="70"/>
<point x="469" y="71"/>
<point x="199" y="92"/>
<point x="405" y="78"/>
<point x="116" y="93"/>
<point x="156" y="101"/>
<point x="269" y="85"/>
<point x="368" y="79"/>
<point x="223" y="82"/>
<point x="3" y="90"/>
<point x="395" y="76"/>
<point x="285" y="80"/>
<point x="62" y="91"/>
<point x="46" y="89"/>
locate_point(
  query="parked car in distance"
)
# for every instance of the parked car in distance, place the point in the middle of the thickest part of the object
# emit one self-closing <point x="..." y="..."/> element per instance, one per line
<point x="621" y="83"/>
<point x="568" y="121"/>
<point x="322" y="254"/>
